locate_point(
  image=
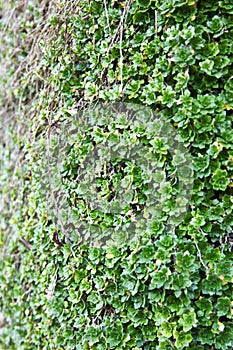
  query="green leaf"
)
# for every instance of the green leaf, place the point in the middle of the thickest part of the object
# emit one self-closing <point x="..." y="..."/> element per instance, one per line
<point x="207" y="66"/>
<point x="183" y="340"/>
<point x="144" y="3"/>
<point x="159" y="278"/>
<point x="220" y="180"/>
<point x="147" y="253"/>
<point x="223" y="306"/>
<point x="188" y="320"/>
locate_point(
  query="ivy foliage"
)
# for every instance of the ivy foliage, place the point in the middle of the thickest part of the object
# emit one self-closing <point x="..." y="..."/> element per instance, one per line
<point x="162" y="291"/>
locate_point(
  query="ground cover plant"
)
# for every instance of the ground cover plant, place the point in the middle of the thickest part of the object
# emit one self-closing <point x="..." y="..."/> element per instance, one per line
<point x="166" y="289"/>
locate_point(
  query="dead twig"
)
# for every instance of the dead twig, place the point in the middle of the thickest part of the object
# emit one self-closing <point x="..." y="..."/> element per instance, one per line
<point x="200" y="257"/>
<point x="25" y="243"/>
<point x="119" y="31"/>
<point x="52" y="192"/>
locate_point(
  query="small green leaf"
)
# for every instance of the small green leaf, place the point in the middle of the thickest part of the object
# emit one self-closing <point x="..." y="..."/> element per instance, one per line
<point x="220" y="180"/>
<point x="207" y="66"/>
<point x="223" y="306"/>
<point x="183" y="340"/>
<point x="188" y="321"/>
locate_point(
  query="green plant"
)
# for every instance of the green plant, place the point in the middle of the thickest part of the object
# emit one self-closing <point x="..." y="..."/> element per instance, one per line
<point x="165" y="290"/>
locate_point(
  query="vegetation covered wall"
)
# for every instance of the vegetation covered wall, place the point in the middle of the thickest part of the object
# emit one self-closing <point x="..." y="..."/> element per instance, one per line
<point x="165" y="290"/>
